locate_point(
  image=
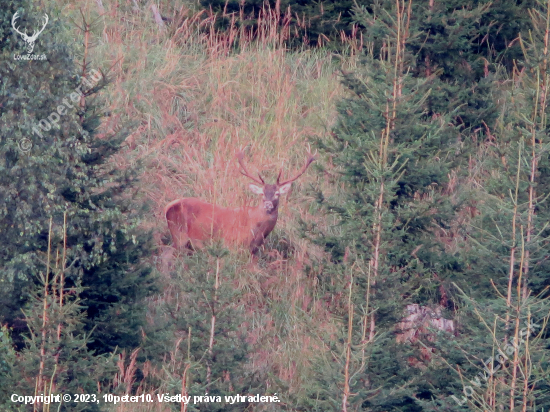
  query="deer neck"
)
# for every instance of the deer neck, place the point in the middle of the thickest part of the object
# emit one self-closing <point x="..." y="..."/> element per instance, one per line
<point x="261" y="212"/>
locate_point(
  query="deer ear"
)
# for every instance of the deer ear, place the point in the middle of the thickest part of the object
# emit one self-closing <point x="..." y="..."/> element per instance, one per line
<point x="285" y="188"/>
<point x="257" y="190"/>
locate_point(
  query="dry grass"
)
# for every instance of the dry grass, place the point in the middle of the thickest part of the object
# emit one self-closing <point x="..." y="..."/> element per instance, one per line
<point x="196" y="104"/>
<point x="194" y="99"/>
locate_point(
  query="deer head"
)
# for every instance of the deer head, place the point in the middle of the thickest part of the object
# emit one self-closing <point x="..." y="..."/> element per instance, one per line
<point x="271" y="193"/>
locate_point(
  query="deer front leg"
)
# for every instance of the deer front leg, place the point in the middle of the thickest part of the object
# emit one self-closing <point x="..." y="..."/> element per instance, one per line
<point x="256" y="243"/>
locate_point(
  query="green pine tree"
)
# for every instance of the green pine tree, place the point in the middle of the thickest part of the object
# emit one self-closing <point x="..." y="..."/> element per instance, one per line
<point x="52" y="163"/>
<point x="503" y="280"/>
<point x="212" y="353"/>
<point x="9" y="374"/>
<point x="392" y="158"/>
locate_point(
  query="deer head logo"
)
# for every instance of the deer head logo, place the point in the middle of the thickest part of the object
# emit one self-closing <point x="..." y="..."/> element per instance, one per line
<point x="28" y="39"/>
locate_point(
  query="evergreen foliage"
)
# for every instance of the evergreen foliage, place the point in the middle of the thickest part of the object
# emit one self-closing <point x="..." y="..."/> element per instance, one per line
<point x="489" y="357"/>
<point x="394" y="157"/>
<point x="214" y="351"/>
<point x="9" y="374"/>
<point x="459" y="31"/>
<point x="55" y="358"/>
<point x="67" y="170"/>
<point x="311" y="22"/>
<point x="457" y="42"/>
<point x="504" y="277"/>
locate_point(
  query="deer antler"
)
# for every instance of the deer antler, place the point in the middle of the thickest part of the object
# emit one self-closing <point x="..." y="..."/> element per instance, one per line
<point x="310" y="158"/>
<point x="240" y="156"/>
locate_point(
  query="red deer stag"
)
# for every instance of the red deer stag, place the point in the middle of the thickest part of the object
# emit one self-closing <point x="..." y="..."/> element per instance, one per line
<point x="193" y="221"/>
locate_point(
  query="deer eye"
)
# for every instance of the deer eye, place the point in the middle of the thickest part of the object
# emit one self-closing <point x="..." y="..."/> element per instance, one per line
<point x="277" y="193"/>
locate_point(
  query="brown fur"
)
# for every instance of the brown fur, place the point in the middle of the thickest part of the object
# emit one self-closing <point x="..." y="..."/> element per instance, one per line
<point x="194" y="221"/>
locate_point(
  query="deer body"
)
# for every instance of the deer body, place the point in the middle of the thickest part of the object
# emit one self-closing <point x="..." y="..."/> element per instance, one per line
<point x="195" y="221"/>
<point x="192" y="220"/>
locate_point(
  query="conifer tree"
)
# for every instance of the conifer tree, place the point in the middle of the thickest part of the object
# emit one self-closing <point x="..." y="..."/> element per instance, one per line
<point x="214" y="351"/>
<point x="457" y="44"/>
<point x="392" y="156"/>
<point x="53" y="163"/>
<point x="459" y="36"/>
<point x="501" y="353"/>
<point x="55" y="359"/>
<point x="511" y="211"/>
<point x="9" y="373"/>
